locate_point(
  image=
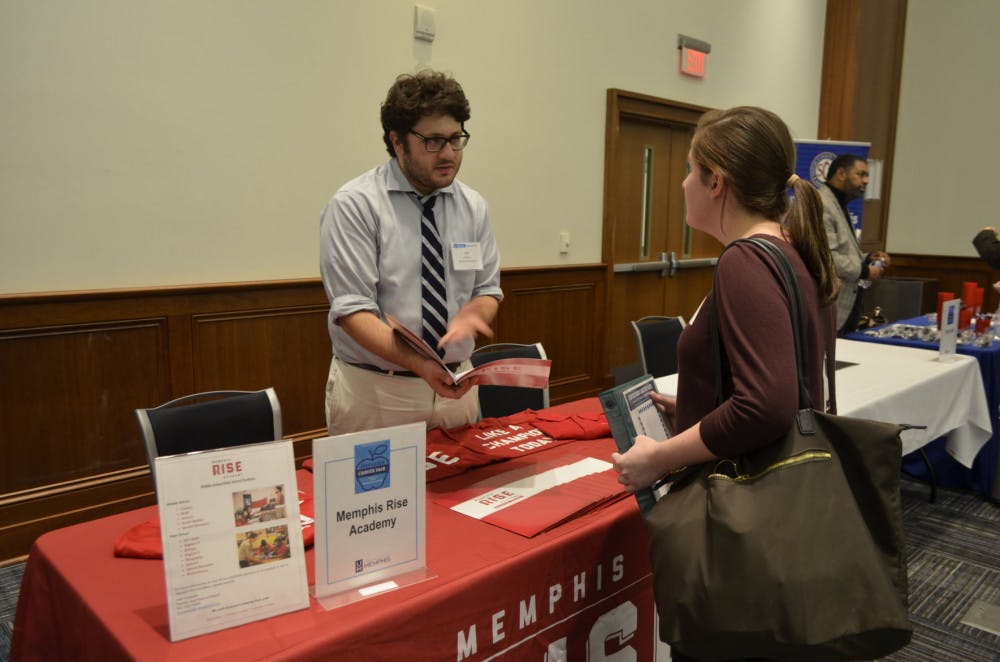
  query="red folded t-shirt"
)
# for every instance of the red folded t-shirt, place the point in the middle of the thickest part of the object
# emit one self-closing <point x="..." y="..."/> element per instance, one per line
<point x="587" y="425"/>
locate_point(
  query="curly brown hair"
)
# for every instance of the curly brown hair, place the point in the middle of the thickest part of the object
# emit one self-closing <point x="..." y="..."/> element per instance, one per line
<point x="412" y="97"/>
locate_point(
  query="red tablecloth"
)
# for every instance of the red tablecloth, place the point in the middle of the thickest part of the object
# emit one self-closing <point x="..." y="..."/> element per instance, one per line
<point x="583" y="588"/>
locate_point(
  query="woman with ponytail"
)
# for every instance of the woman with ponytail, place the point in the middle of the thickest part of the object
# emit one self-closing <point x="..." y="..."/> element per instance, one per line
<point x="740" y="171"/>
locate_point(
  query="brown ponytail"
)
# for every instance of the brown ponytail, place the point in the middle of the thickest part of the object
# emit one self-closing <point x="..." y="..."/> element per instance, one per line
<point x="804" y="222"/>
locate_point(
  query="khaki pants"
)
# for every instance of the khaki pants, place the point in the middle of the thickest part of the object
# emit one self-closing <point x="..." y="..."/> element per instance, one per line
<point x="359" y="399"/>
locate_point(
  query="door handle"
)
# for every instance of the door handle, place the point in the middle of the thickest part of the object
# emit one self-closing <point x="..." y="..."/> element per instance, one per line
<point x="667" y="265"/>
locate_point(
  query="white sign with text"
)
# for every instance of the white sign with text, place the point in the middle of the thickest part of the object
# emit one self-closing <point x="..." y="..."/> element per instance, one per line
<point x="370" y="508"/>
<point x="949" y="329"/>
<point x="232" y="541"/>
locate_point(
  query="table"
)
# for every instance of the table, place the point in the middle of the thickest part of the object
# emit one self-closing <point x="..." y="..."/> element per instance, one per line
<point x="981" y="475"/>
<point x="584" y="587"/>
<point x="908" y="385"/>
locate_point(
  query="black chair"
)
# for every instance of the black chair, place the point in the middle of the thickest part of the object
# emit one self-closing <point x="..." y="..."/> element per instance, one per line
<point x="626" y="373"/>
<point x="219" y="419"/>
<point x="497" y="401"/>
<point x="657" y="337"/>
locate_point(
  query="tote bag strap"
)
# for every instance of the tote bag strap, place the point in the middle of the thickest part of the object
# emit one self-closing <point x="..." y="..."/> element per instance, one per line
<point x="786" y="276"/>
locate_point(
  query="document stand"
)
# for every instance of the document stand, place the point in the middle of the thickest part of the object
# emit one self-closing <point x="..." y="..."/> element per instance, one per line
<point x="350" y="596"/>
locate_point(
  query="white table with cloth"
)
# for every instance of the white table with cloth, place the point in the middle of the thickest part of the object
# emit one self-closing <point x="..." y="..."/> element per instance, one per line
<point x="906" y="385"/>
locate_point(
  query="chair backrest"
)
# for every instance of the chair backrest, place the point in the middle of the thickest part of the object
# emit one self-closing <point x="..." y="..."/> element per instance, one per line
<point x="657" y="337"/>
<point x="504" y="400"/>
<point x="626" y="373"/>
<point x="216" y="419"/>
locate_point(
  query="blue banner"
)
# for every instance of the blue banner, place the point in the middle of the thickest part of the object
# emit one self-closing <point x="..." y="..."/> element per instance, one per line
<point x="813" y="157"/>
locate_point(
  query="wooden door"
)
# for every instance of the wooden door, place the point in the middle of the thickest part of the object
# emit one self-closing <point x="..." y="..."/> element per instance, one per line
<point x="645" y="163"/>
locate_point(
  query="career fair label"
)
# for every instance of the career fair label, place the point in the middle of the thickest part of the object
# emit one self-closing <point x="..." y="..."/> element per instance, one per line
<point x="370" y="508"/>
<point x="232" y="540"/>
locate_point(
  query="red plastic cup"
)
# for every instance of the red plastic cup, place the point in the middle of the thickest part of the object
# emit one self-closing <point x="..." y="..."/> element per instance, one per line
<point x="982" y="324"/>
<point x="968" y="293"/>
<point x="964" y="318"/>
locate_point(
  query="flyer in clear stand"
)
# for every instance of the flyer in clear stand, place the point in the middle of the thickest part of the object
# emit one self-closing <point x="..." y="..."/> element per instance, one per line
<point x="949" y="330"/>
<point x="232" y="541"/>
<point x="370" y="512"/>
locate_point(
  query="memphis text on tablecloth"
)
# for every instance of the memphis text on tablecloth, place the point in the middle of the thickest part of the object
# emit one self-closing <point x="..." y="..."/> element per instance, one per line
<point x="553" y="602"/>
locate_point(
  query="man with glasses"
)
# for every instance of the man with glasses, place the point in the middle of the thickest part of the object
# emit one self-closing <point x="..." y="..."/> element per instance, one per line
<point x="408" y="240"/>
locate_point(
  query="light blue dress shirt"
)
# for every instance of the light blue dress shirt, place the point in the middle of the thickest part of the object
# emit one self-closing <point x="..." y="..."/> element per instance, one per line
<point x="370" y="255"/>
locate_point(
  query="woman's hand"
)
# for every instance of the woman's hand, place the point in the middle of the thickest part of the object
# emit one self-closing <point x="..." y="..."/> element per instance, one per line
<point x="640" y="466"/>
<point x="667" y="404"/>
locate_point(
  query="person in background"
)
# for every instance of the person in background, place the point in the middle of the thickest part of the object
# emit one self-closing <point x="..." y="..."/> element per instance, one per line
<point x="740" y="164"/>
<point x="372" y="239"/>
<point x="846" y="179"/>
<point x="987" y="244"/>
<point x="245" y="551"/>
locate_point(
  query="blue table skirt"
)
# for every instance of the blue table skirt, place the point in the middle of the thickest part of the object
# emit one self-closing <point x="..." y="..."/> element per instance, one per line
<point x="948" y="472"/>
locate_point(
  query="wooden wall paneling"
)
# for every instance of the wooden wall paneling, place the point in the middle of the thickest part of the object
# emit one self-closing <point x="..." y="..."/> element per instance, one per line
<point x="181" y="357"/>
<point x="859" y="91"/>
<point x="561" y="308"/>
<point x="950" y="272"/>
<point x="70" y="444"/>
<point x="74" y="366"/>
<point x="631" y="299"/>
<point x="880" y="54"/>
<point x="288" y="349"/>
<point x="840" y="69"/>
<point x="67" y="395"/>
<point x="26" y="515"/>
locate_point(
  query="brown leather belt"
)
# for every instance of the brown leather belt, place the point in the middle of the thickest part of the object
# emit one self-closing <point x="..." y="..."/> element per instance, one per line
<point x="397" y="373"/>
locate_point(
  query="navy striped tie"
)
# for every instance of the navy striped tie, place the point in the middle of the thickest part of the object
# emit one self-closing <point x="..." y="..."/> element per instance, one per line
<point x="432" y="288"/>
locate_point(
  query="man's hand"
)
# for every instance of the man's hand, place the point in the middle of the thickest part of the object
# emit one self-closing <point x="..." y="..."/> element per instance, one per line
<point x="878" y="262"/>
<point x="474" y="318"/>
<point x="439" y="380"/>
<point x="465" y="325"/>
<point x="882" y="257"/>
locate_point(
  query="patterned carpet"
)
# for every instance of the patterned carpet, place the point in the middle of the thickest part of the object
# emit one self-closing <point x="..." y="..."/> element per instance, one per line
<point x="953" y="558"/>
<point x="10" y="585"/>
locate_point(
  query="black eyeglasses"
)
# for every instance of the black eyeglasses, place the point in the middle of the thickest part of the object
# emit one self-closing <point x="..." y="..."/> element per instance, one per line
<point x="436" y="144"/>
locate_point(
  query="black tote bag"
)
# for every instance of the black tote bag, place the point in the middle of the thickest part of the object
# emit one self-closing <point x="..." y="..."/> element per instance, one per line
<point x="794" y="551"/>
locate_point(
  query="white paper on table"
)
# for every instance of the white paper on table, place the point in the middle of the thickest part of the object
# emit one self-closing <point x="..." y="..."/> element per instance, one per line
<point x="216" y="509"/>
<point x="369" y="498"/>
<point x="949" y="329"/>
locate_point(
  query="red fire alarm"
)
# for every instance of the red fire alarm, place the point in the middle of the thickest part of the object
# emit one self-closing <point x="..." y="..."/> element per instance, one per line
<point x="694" y="54"/>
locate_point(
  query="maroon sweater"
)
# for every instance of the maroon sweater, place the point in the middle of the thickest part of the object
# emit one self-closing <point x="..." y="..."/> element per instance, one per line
<point x="758" y="355"/>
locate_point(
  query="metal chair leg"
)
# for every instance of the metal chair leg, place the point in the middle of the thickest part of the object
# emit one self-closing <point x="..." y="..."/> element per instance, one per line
<point x="930" y="474"/>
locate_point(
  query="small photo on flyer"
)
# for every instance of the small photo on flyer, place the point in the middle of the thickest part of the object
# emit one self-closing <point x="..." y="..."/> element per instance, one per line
<point x="264" y="545"/>
<point x="259" y="505"/>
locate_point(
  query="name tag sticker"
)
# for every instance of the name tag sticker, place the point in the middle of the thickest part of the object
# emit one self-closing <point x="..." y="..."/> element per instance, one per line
<point x="466" y="256"/>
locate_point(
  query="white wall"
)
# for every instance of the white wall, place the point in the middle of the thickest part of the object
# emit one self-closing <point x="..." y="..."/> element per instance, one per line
<point x="146" y="143"/>
<point x="948" y="140"/>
